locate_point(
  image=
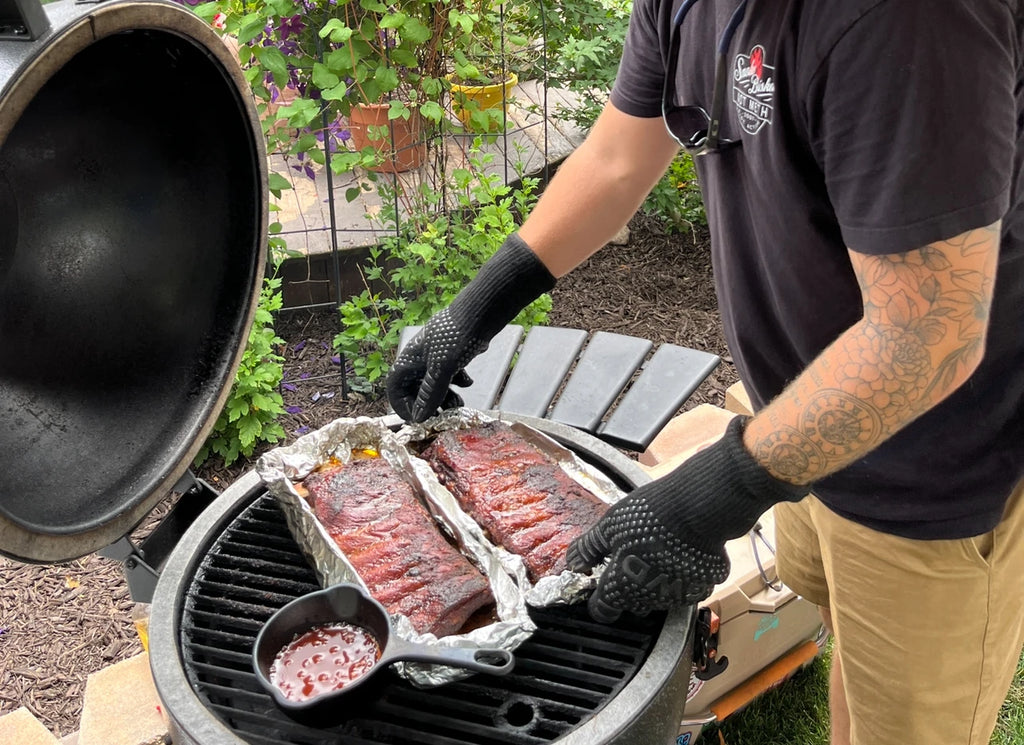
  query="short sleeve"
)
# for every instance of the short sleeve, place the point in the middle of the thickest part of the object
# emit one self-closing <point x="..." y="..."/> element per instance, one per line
<point x="912" y="116"/>
<point x="638" y="84"/>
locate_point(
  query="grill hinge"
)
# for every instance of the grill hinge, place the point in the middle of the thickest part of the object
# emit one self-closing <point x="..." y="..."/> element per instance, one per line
<point x="142" y="563"/>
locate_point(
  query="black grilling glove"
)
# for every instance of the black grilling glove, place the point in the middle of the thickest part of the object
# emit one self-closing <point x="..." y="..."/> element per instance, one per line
<point x="666" y="539"/>
<point x="510" y="280"/>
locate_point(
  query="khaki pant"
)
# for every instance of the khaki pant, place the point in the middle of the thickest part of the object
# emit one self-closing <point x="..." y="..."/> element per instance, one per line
<point x="928" y="632"/>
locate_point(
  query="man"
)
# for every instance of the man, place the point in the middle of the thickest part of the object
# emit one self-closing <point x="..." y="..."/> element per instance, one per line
<point x="861" y="166"/>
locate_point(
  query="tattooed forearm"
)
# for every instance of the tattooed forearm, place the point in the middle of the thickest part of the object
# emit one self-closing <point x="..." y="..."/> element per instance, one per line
<point x="921" y="337"/>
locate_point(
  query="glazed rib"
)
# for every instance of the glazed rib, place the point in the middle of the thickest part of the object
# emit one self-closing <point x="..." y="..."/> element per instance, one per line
<point x="521" y="497"/>
<point x="377" y="520"/>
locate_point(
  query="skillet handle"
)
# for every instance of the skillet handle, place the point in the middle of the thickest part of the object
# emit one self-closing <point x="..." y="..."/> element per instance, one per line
<point x="486" y="660"/>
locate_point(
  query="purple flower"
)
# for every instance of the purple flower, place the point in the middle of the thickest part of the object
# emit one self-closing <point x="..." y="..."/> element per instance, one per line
<point x="289" y="387"/>
<point x="302" y="430"/>
<point x="293" y="409"/>
<point x="300" y="346"/>
<point x="336" y="359"/>
<point x="291" y="26"/>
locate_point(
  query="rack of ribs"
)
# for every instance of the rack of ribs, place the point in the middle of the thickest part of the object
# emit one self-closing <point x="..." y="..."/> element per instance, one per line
<point x="378" y="521"/>
<point x="520" y="496"/>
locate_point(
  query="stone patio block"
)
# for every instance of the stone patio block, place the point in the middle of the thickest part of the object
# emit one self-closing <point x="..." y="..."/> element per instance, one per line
<point x="21" y="727"/>
<point x="737" y="400"/>
<point x="121" y="706"/>
<point x="683" y="436"/>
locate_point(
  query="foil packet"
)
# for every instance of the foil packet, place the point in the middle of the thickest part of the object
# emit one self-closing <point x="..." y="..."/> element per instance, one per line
<point x="281" y="468"/>
<point x="565" y="588"/>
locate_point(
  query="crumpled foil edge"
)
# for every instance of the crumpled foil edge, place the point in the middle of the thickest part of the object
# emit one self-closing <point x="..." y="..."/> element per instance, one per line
<point x="282" y="467"/>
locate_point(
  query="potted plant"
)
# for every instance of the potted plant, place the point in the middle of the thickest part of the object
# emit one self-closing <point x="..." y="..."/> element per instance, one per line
<point x="326" y="73"/>
<point x="481" y="80"/>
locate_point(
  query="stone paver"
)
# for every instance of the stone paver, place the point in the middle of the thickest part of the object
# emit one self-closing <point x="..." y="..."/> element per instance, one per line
<point x="21" y="727"/>
<point x="737" y="400"/>
<point x="683" y="436"/>
<point x="121" y="706"/>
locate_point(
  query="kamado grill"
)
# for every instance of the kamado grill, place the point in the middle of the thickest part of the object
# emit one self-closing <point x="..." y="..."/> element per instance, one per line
<point x="575" y="681"/>
<point x="132" y="238"/>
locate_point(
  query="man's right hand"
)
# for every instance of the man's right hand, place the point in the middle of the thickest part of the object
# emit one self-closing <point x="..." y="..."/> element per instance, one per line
<point x="418" y="383"/>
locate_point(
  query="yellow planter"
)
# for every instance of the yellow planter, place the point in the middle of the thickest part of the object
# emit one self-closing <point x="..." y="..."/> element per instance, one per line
<point x="467" y="99"/>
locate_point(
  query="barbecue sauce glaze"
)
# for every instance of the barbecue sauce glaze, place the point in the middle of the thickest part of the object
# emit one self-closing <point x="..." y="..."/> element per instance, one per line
<point x="324" y="659"/>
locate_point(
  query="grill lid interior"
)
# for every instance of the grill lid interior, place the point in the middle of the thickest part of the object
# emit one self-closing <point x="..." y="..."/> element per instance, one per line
<point x="132" y="239"/>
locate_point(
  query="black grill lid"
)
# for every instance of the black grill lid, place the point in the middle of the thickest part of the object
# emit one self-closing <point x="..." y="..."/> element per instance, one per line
<point x="133" y="213"/>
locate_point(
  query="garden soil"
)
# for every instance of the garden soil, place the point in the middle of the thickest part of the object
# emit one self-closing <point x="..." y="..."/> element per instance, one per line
<point x="60" y="623"/>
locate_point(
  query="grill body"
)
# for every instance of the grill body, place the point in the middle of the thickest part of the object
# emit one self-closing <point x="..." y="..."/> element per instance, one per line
<point x="575" y="681"/>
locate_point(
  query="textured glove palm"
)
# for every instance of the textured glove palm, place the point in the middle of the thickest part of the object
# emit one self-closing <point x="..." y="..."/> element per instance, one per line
<point x="418" y="383"/>
<point x="666" y="540"/>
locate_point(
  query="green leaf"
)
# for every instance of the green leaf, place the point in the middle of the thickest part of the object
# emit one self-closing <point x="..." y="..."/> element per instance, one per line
<point x="322" y="77"/>
<point x="404" y="58"/>
<point x="335" y="93"/>
<point x="206" y="11"/>
<point x="398" y="110"/>
<point x="432" y="110"/>
<point x="338" y="31"/>
<point x="252" y="26"/>
<point x="393" y="20"/>
<point x="273" y="60"/>
<point x="277" y="183"/>
<point x="249" y="428"/>
<point x="386" y="78"/>
<point x="416" y="32"/>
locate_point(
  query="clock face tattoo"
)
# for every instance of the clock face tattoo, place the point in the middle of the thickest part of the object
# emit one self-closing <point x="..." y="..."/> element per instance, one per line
<point x="790" y="454"/>
<point x="840" y="423"/>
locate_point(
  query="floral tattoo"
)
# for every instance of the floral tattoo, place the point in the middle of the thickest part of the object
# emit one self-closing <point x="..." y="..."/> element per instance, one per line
<point x="922" y="334"/>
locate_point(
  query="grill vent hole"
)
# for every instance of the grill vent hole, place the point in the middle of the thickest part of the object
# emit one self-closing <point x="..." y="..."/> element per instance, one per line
<point x="518" y="714"/>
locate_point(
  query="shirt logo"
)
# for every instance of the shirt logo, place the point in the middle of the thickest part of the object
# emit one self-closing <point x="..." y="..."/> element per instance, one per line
<point x="753" y="90"/>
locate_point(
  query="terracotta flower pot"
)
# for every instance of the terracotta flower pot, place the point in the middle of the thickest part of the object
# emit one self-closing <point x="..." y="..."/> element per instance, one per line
<point x="401" y="150"/>
<point x="486" y="97"/>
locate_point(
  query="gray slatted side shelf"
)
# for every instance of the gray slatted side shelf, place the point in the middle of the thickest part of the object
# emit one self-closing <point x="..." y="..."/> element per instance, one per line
<point x="577" y="378"/>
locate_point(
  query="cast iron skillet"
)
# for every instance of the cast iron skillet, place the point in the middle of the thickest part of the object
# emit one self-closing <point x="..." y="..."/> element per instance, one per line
<point x="349" y="603"/>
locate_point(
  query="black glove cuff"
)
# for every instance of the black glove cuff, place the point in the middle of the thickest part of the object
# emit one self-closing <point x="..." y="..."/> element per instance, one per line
<point x="738" y="488"/>
<point x="509" y="281"/>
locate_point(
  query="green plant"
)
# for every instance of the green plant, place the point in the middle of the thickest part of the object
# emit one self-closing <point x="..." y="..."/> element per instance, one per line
<point x="310" y="61"/>
<point x="431" y="255"/>
<point x="250" y="414"/>
<point x="676" y="199"/>
<point x="583" y="42"/>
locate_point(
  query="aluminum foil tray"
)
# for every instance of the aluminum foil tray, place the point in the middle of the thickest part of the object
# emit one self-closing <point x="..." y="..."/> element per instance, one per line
<point x="283" y="467"/>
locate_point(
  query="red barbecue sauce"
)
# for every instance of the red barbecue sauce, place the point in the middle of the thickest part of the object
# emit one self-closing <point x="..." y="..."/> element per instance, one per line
<point x="326" y="658"/>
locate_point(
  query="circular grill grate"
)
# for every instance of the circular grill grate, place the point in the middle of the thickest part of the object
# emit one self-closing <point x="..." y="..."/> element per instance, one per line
<point x="565" y="673"/>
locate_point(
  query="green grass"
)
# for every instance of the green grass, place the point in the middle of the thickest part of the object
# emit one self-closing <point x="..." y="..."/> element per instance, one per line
<point x="796" y="713"/>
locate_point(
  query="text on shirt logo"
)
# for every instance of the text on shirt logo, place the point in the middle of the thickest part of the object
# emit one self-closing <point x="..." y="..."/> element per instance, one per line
<point x="753" y="90"/>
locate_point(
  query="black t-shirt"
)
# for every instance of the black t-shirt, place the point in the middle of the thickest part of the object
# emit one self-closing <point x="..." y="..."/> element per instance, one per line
<point x="875" y="125"/>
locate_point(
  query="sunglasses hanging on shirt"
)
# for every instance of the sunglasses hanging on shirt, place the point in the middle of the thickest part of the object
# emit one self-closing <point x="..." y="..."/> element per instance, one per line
<point x="691" y="126"/>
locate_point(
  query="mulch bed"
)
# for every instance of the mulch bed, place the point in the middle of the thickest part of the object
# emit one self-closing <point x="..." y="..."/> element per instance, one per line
<point x="60" y="623"/>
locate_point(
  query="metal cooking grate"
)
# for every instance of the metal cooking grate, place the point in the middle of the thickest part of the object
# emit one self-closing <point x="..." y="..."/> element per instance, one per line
<point x="564" y="673"/>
